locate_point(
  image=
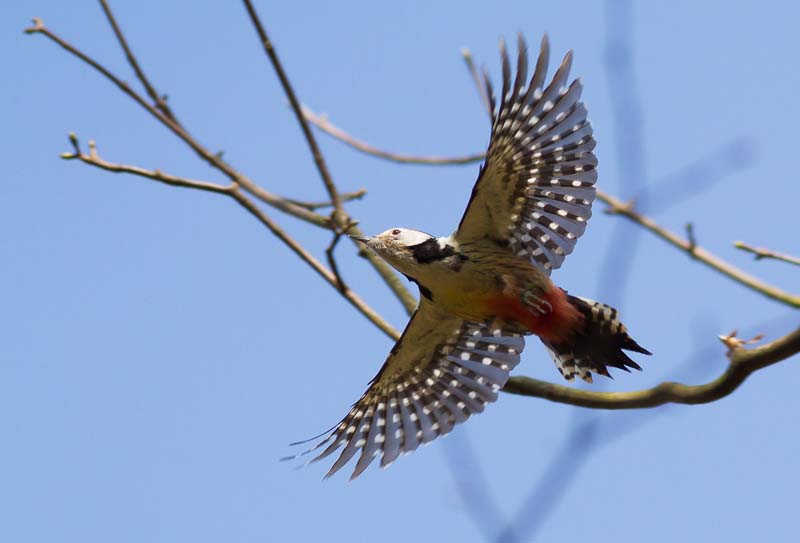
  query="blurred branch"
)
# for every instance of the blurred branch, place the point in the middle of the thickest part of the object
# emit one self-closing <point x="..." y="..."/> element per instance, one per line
<point x="742" y="363"/>
<point x="760" y="253"/>
<point x="92" y="158"/>
<point x="476" y="79"/>
<point x="322" y="122"/>
<point x="696" y="177"/>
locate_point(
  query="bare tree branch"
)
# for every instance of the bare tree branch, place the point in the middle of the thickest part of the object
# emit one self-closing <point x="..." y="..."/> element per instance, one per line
<point x="616" y="207"/>
<point x="321" y="122"/>
<point x="338" y="217"/>
<point x="160" y="101"/>
<point x="213" y="159"/>
<point x="93" y="159"/>
<point x="319" y="160"/>
<point x="345" y="196"/>
<point x="743" y="362"/>
<point x="760" y="253"/>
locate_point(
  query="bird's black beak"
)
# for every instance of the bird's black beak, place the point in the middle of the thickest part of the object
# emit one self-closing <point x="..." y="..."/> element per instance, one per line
<point x="362" y="239"/>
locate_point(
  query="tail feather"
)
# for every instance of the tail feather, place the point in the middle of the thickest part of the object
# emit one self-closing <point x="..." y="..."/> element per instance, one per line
<point x="597" y="345"/>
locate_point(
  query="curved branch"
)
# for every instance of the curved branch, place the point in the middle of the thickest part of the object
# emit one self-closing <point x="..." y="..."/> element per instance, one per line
<point x="321" y="122"/>
<point x="743" y="362"/>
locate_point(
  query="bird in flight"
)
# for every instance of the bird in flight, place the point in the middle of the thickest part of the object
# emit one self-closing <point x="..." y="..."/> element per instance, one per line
<point x="488" y="284"/>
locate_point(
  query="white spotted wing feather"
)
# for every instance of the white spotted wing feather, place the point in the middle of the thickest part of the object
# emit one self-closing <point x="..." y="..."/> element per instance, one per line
<point x="440" y="372"/>
<point x="536" y="186"/>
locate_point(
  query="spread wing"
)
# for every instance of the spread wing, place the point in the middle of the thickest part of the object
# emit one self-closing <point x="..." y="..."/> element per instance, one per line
<point x="441" y="371"/>
<point x="536" y="185"/>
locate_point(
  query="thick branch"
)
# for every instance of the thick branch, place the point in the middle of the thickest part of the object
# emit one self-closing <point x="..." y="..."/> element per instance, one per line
<point x="743" y="362"/>
<point x="760" y="253"/>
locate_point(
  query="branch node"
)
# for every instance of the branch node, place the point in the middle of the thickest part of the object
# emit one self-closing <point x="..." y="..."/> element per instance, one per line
<point x="38" y="26"/>
<point x="692" y="240"/>
<point x="73" y="139"/>
<point x="622" y="208"/>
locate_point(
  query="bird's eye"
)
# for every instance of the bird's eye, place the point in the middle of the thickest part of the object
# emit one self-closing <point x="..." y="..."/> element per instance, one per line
<point x="396" y="232"/>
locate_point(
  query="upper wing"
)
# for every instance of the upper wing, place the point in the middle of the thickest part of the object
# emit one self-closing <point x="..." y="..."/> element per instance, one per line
<point x="440" y="371"/>
<point x="536" y="186"/>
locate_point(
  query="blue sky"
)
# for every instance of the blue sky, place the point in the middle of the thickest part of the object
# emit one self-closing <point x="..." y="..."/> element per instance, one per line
<point x="160" y="348"/>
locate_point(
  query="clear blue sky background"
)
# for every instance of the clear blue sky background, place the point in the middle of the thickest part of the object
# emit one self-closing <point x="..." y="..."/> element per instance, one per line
<point x="160" y="348"/>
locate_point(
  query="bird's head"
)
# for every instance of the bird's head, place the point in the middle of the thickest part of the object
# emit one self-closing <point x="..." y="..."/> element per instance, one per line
<point x="408" y="250"/>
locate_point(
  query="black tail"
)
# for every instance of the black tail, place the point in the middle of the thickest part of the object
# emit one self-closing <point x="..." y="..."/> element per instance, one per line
<point x="597" y="345"/>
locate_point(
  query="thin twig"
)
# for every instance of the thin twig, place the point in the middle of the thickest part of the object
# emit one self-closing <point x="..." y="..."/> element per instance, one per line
<point x="321" y="122"/>
<point x="616" y="207"/>
<point x="345" y="196"/>
<point x="338" y="214"/>
<point x="743" y="362"/>
<point x="329" y="253"/>
<point x="158" y="99"/>
<point x="476" y="78"/>
<point x="93" y="159"/>
<point x="760" y="252"/>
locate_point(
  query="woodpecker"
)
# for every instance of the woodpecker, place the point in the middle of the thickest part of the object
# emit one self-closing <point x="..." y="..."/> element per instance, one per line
<point x="488" y="284"/>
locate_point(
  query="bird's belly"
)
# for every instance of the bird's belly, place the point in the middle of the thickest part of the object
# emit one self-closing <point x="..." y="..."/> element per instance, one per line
<point x="480" y="297"/>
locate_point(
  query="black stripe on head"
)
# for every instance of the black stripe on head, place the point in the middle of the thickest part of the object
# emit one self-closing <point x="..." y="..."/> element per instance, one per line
<point x="430" y="251"/>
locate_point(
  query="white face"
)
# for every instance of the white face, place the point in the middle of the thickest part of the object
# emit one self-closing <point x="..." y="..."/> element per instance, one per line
<point x="393" y="246"/>
<point x="403" y="237"/>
